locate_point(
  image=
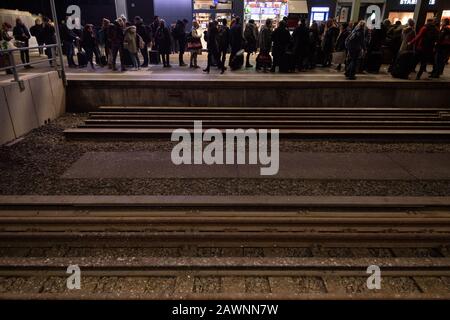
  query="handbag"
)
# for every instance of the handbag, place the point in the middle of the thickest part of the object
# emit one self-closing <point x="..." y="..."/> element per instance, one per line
<point x="19" y="44"/>
<point x="338" y="57"/>
<point x="264" y="59"/>
<point x="195" y="45"/>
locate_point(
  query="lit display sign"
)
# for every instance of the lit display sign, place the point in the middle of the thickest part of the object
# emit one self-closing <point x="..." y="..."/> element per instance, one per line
<point x="432" y="2"/>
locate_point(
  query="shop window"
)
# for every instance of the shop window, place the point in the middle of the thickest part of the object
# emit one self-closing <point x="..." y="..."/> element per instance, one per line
<point x="261" y="10"/>
<point x="213" y="4"/>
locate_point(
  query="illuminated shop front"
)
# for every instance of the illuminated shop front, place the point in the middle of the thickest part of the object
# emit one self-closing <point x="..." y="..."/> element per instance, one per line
<point x="261" y="10"/>
<point x="402" y="10"/>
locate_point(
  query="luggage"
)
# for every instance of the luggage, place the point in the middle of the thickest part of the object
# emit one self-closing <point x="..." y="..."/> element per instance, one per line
<point x="263" y="61"/>
<point x="404" y="65"/>
<point x="82" y="59"/>
<point x="154" y="57"/>
<point x="288" y="63"/>
<point x="237" y="62"/>
<point x="338" y="57"/>
<point x="103" y="60"/>
<point x="373" y="61"/>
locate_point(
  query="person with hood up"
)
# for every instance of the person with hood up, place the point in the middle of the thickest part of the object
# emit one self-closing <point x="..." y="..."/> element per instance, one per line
<point x="251" y="40"/>
<point x="408" y="34"/>
<point x="265" y="44"/>
<point x="163" y="43"/>
<point x="131" y="43"/>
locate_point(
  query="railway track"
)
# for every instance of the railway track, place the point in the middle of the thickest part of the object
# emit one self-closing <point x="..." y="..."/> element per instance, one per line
<point x="208" y="248"/>
<point x="147" y="122"/>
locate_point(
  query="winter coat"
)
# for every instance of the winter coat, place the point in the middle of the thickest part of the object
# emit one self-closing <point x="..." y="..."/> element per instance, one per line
<point x="163" y="40"/>
<point x="340" y="41"/>
<point x="115" y="35"/>
<point x="408" y="35"/>
<point x="21" y="33"/>
<point x="236" y="38"/>
<point x="426" y="39"/>
<point x="355" y="42"/>
<point x="67" y="35"/>
<point x="144" y="32"/>
<point x="224" y="38"/>
<point x="212" y="43"/>
<point x="301" y="40"/>
<point x="251" y="38"/>
<point x="281" y="39"/>
<point x="88" y="40"/>
<point x="265" y="40"/>
<point x="36" y="31"/>
<point x="130" y="39"/>
<point x="329" y="39"/>
<point x="48" y="34"/>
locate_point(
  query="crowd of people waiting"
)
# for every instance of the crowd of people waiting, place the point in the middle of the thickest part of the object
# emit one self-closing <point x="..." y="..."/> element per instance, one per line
<point x="356" y="46"/>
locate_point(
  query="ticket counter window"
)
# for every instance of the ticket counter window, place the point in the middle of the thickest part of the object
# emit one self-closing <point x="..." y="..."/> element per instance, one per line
<point x="319" y="14"/>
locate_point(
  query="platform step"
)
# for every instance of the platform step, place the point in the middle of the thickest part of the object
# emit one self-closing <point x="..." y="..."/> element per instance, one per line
<point x="133" y="133"/>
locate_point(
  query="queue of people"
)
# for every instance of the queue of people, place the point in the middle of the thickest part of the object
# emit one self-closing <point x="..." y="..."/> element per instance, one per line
<point x="357" y="47"/>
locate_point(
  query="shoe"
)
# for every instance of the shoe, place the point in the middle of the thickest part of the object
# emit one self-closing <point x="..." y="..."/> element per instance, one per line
<point x="144" y="66"/>
<point x="191" y="66"/>
<point x="206" y="70"/>
<point x="196" y="67"/>
<point x="183" y="64"/>
<point x="248" y="66"/>
<point x="351" y="78"/>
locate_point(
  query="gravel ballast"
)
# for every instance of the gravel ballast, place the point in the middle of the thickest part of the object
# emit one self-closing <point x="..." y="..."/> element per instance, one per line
<point x="34" y="166"/>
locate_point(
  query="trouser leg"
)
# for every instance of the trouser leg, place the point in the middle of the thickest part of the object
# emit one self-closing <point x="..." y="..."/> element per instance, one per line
<point x="144" y="53"/>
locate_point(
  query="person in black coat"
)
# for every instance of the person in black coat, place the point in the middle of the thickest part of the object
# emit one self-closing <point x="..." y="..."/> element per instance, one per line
<point x="224" y="40"/>
<point x="236" y="38"/>
<point x="355" y="45"/>
<point x="314" y="41"/>
<point x="48" y="36"/>
<point x="145" y="33"/>
<point x="36" y="31"/>
<point x="301" y="44"/>
<point x="281" y="39"/>
<point x="163" y="43"/>
<point x="21" y="33"/>
<point x="213" y="47"/>
<point x="179" y="35"/>
<point x="68" y="39"/>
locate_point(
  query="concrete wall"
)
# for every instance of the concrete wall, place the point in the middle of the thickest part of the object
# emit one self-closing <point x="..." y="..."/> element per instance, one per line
<point x="89" y="95"/>
<point x="42" y="100"/>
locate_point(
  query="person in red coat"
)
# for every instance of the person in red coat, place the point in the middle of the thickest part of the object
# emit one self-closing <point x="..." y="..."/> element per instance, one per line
<point x="425" y="42"/>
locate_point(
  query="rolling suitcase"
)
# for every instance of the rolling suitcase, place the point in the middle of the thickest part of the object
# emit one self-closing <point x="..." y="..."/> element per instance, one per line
<point x="238" y="60"/>
<point x="82" y="59"/>
<point x="404" y="65"/>
<point x="154" y="57"/>
<point x="373" y="61"/>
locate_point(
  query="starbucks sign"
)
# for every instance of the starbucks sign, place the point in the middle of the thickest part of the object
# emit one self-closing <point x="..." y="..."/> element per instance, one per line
<point x="415" y="2"/>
